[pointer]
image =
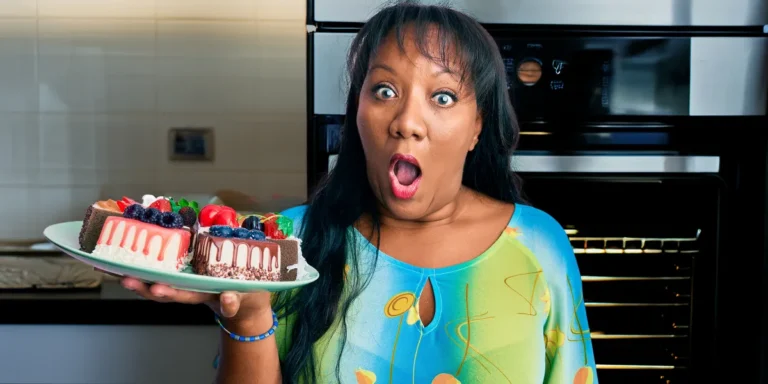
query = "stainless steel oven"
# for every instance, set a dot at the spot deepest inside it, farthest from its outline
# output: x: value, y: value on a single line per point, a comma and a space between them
x: 644, y: 133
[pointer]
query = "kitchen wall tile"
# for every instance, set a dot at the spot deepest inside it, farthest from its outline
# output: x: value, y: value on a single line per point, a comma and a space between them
x: 93, y: 84
x: 118, y: 9
x: 205, y: 9
x: 127, y: 143
x: 242, y: 143
x: 211, y: 94
x: 19, y: 148
x: 67, y: 141
x: 18, y: 37
x: 94, y: 37
x: 18, y: 8
x: 16, y: 203
x: 18, y: 62
x: 281, y: 10
x: 280, y: 39
x: 59, y: 204
x: 206, y: 38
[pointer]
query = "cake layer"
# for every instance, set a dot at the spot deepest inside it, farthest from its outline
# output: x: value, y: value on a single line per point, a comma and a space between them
x: 236, y: 258
x: 135, y: 242
x: 290, y: 251
x: 93, y: 222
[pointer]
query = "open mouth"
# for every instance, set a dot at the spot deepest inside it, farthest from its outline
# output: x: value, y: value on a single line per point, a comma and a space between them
x: 404, y: 175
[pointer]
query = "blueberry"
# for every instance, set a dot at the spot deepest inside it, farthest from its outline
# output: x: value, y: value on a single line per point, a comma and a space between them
x: 252, y: 222
x: 171, y: 220
x: 188, y: 216
x: 220, y: 231
x: 151, y: 216
x: 240, y: 233
x: 133, y: 211
x: 255, y: 234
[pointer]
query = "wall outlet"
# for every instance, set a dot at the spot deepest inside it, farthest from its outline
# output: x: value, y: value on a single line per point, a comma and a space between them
x: 190, y: 144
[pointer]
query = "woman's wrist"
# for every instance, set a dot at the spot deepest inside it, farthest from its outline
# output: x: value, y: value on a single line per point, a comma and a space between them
x: 252, y: 324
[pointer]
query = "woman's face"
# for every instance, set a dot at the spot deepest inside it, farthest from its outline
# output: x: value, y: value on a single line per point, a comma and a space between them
x: 417, y: 122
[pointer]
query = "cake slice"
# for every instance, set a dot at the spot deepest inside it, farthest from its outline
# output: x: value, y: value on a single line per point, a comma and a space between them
x: 220, y: 255
x: 95, y: 216
x: 145, y: 237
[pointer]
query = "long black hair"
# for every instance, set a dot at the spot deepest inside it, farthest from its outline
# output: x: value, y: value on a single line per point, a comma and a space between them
x: 345, y: 195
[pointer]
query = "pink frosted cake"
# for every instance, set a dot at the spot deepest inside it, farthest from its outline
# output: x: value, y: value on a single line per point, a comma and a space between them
x: 145, y: 237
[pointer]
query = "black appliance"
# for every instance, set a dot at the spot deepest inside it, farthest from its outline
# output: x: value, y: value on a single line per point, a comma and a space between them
x: 644, y: 133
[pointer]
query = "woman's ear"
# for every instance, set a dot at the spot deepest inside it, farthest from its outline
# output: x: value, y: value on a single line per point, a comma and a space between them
x: 476, y: 132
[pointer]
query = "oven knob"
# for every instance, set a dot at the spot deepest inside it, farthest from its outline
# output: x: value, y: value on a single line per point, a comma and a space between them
x: 529, y: 71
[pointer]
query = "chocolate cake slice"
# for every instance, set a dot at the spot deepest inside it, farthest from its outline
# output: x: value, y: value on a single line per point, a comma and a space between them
x: 237, y: 258
x: 95, y: 216
x: 290, y: 249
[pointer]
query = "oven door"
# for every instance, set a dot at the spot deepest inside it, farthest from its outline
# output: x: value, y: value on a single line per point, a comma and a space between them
x: 647, y: 253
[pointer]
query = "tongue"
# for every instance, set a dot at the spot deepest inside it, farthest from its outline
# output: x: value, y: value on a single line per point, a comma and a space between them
x: 406, y: 172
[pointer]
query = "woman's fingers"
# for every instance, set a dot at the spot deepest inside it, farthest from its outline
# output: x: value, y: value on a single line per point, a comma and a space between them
x: 165, y: 294
x: 230, y: 303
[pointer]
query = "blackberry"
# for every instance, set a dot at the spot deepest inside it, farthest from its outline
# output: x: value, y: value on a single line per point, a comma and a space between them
x: 134, y: 211
x: 255, y: 234
x: 252, y: 222
x: 171, y: 220
x: 240, y: 233
x: 188, y: 216
x: 151, y: 216
x: 220, y: 231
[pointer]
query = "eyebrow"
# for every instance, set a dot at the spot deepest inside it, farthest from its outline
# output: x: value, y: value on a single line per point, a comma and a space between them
x: 442, y: 70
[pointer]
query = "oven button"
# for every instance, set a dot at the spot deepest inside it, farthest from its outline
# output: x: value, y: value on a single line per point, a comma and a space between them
x: 529, y: 71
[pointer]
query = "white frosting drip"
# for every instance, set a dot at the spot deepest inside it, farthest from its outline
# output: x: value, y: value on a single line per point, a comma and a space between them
x: 166, y: 261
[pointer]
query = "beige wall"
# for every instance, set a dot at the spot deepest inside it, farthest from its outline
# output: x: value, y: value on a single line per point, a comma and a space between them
x: 89, y: 89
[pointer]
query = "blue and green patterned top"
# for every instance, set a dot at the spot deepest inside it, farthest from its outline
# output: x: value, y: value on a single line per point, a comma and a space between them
x: 514, y: 314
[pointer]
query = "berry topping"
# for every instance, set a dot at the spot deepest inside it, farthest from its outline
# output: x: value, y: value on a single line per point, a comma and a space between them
x: 210, y: 211
x: 189, y: 216
x: 220, y: 231
x: 226, y: 217
x: 241, y: 233
x: 252, y: 222
x: 151, y: 216
x: 171, y: 220
x: 133, y: 211
x: 277, y: 226
x: 162, y: 205
x: 124, y: 203
x: 255, y: 234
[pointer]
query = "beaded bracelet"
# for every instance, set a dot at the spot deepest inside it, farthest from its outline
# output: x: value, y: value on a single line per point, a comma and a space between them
x: 263, y: 336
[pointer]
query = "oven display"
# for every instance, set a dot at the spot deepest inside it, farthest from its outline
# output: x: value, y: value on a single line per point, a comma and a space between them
x: 597, y: 77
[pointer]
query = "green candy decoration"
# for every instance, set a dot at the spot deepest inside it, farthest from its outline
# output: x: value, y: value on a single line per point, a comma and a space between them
x: 178, y: 205
x: 285, y: 225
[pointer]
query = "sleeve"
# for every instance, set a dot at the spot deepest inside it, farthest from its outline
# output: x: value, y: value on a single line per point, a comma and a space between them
x: 569, y: 354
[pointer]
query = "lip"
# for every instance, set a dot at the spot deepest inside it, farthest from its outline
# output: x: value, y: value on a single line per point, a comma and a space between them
x: 400, y: 191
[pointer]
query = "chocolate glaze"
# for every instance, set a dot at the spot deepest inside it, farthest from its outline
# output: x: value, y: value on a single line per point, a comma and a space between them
x: 205, y: 243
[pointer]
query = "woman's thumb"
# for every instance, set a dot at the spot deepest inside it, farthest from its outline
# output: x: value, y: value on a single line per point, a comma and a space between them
x: 230, y: 303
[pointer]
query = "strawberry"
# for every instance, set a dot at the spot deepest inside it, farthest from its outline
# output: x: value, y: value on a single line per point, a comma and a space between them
x: 162, y: 205
x: 226, y: 217
x: 205, y: 218
x: 124, y: 203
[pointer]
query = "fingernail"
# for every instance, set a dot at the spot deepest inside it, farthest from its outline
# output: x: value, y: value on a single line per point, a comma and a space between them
x: 226, y: 299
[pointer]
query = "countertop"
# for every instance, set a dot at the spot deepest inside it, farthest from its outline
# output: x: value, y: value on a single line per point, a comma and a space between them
x: 110, y: 304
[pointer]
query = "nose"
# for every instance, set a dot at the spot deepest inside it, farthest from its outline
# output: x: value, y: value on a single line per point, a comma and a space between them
x: 409, y: 122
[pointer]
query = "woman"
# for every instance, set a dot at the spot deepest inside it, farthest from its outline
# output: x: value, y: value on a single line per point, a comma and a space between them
x: 431, y: 270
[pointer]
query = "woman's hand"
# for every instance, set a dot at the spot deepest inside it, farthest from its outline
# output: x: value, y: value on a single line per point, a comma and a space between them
x: 236, y: 307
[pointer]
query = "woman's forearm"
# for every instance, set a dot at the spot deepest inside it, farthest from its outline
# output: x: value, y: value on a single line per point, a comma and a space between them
x: 249, y: 362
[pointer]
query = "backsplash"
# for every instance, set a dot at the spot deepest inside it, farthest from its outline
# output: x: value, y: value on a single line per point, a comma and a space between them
x: 90, y: 88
